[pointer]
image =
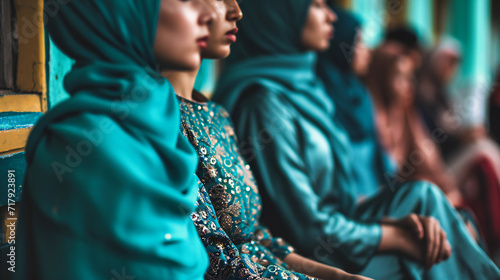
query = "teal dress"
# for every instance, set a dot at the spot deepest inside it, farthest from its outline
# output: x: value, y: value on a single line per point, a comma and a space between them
x: 110, y: 181
x: 354, y: 106
x: 302, y: 162
x: 229, y: 204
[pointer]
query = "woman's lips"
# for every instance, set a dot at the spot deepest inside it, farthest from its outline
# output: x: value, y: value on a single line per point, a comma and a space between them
x: 330, y: 34
x: 202, y: 42
x: 231, y: 34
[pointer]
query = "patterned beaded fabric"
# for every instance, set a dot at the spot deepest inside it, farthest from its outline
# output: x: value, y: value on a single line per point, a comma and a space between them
x: 229, y: 204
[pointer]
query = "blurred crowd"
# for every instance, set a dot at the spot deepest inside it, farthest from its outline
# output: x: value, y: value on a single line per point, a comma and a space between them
x: 417, y: 121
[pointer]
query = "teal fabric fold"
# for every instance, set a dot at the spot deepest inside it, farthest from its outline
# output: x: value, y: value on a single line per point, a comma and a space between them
x: 292, y: 78
x: 110, y: 179
x: 277, y: 33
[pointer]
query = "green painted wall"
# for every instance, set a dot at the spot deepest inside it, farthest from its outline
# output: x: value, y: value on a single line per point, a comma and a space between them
x: 420, y: 17
x: 373, y: 13
x: 58, y: 65
x: 469, y: 22
x: 495, y: 37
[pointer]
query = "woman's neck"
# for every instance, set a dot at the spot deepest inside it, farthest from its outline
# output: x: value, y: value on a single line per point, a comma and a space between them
x: 182, y: 82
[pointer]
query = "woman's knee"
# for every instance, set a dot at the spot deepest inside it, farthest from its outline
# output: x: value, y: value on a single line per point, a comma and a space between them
x: 423, y: 190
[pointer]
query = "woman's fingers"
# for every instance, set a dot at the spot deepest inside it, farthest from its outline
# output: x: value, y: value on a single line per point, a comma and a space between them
x: 432, y: 240
x: 429, y: 240
x: 435, y: 242
x: 443, y: 248
x: 437, y: 246
x: 448, y: 250
x: 415, y: 225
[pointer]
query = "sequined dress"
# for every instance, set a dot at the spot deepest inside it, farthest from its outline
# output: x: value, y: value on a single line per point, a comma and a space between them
x: 229, y: 204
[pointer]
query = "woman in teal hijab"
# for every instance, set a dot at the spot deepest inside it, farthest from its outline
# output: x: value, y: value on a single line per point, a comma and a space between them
x: 229, y: 204
x: 302, y: 163
x: 110, y: 180
x: 339, y: 69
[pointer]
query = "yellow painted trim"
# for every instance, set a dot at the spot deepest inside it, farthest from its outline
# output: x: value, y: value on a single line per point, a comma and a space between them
x: 20, y: 103
x: 397, y: 19
x: 31, y: 76
x: 346, y: 4
x: 13, y: 139
x: 12, y: 152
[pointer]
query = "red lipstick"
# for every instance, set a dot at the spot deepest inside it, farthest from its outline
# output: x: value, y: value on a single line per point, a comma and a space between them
x: 202, y: 42
x: 231, y: 34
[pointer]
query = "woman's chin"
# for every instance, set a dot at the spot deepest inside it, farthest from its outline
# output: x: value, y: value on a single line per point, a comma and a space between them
x: 219, y: 53
x: 190, y: 64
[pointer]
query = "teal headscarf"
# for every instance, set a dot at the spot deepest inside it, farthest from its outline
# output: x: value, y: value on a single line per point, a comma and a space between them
x: 110, y: 181
x: 354, y: 106
x: 280, y: 65
x: 283, y: 17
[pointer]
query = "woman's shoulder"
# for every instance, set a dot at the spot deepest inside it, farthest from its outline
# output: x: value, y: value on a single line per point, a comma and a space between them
x: 265, y: 102
x: 79, y: 139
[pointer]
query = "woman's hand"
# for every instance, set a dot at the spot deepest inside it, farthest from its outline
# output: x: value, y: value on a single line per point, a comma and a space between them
x: 437, y: 246
x: 419, y: 237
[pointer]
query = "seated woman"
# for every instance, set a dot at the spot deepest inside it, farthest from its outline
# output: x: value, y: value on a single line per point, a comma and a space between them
x: 109, y: 184
x: 402, y: 132
x: 302, y: 164
x: 229, y: 204
x: 470, y: 154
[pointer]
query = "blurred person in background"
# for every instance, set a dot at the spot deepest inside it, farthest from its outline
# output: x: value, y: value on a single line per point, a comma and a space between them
x: 433, y: 96
x: 339, y: 68
x: 471, y: 156
x: 391, y: 82
x: 494, y: 109
x: 407, y: 39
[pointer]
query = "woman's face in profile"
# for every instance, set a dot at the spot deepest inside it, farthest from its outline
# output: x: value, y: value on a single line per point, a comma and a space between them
x: 182, y: 33
x: 362, y: 56
x: 318, y: 29
x: 402, y: 81
x: 223, y: 29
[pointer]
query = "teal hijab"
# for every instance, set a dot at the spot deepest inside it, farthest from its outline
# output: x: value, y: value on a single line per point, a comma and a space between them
x: 110, y: 181
x: 263, y: 21
x: 354, y: 106
x: 269, y: 54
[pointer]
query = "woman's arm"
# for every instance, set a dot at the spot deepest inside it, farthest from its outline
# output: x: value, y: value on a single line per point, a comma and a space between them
x: 305, y: 211
x: 319, y: 270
